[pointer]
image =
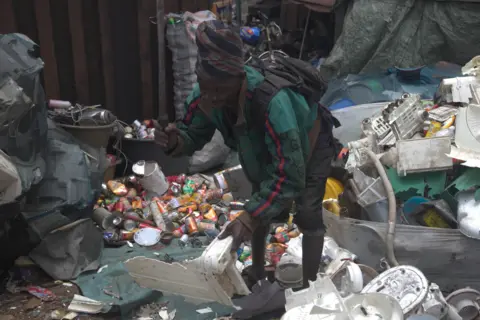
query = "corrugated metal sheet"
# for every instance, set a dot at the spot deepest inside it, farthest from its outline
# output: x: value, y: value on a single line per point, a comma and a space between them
x: 98, y: 51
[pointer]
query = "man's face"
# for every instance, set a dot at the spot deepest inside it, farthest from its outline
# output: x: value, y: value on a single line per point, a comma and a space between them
x: 219, y: 93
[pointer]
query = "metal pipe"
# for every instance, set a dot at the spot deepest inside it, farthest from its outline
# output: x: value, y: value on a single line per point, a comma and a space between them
x: 162, y: 84
x: 392, y: 208
x: 304, y: 34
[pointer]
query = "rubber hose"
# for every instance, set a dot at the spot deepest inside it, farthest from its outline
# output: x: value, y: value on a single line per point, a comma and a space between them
x: 392, y: 208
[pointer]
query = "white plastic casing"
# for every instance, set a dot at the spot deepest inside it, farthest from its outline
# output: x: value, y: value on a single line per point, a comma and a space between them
x: 211, y: 277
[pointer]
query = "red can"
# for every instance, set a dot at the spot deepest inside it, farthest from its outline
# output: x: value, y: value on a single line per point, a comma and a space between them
x: 119, y: 206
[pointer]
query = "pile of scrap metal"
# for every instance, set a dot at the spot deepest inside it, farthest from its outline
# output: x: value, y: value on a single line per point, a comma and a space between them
x: 347, y: 290
x: 414, y: 181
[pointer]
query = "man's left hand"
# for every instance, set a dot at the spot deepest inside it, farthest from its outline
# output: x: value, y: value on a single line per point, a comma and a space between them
x: 241, y: 229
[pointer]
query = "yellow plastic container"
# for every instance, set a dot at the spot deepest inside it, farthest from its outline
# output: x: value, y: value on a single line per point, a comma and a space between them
x: 333, y: 189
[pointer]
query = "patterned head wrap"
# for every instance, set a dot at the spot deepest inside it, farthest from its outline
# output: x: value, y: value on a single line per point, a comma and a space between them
x: 220, y: 50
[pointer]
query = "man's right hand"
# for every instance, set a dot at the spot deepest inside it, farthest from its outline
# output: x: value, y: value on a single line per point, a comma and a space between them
x: 166, y: 137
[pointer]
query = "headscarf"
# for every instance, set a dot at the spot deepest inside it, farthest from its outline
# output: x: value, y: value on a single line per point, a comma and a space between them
x: 220, y: 51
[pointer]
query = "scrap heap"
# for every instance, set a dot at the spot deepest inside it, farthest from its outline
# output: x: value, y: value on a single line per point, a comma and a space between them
x: 431, y: 151
x: 188, y: 207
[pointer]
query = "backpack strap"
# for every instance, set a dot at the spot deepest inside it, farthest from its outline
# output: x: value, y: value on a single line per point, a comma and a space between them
x: 263, y: 95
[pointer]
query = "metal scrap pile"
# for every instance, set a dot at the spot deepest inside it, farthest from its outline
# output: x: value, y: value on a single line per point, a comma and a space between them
x: 354, y: 291
x: 430, y: 151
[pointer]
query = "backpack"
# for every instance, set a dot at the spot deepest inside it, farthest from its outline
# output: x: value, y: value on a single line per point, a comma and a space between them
x: 292, y: 73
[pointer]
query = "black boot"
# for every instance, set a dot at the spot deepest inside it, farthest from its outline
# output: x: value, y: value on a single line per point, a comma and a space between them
x: 312, y: 247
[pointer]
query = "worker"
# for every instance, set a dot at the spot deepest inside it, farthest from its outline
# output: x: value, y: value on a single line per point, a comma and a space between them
x: 274, y: 160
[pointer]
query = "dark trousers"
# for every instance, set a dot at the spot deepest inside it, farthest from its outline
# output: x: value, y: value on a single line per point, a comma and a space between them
x: 309, y: 213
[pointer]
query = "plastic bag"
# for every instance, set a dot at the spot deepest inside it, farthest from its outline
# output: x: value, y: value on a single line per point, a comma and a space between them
x: 181, y: 41
x: 67, y: 191
x: 213, y: 154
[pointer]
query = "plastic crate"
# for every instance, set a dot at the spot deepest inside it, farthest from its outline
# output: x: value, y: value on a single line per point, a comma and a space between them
x: 372, y: 194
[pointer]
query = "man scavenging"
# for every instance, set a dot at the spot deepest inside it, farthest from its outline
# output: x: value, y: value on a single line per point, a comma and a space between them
x: 287, y: 160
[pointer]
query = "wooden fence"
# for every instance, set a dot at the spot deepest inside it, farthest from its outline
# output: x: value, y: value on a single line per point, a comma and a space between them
x: 99, y: 51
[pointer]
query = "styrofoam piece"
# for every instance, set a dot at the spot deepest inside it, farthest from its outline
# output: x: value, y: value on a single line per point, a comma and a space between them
x: 406, y: 284
x: 322, y: 301
x: 420, y: 155
x: 211, y: 277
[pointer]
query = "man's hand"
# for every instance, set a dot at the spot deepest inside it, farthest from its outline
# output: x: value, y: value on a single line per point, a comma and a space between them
x: 241, y: 229
x: 166, y: 137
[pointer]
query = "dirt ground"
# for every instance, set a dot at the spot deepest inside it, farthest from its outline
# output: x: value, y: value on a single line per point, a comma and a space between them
x: 23, y: 305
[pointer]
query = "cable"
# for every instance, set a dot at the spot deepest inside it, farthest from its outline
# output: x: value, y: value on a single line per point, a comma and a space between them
x: 392, y: 208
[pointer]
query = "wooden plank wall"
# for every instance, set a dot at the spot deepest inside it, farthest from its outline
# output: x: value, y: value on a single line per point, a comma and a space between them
x: 98, y: 51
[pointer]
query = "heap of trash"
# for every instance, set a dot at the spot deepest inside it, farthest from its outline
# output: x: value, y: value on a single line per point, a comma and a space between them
x: 415, y: 166
x: 428, y: 149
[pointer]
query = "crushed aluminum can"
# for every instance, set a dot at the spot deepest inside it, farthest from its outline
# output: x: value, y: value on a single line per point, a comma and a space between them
x: 146, y: 214
x: 137, y: 124
x: 214, y: 195
x: 220, y: 210
x: 110, y: 235
x: 237, y: 205
x: 127, y: 235
x: 181, y: 178
x: 129, y: 225
x: 142, y: 134
x: 204, y: 226
x: 184, y: 238
x: 132, y: 179
x: 176, y: 189
x: 105, y: 189
x: 174, y: 203
x: 173, y: 216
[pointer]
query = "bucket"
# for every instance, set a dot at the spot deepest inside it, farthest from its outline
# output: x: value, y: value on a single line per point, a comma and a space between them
x: 151, y: 176
x: 95, y: 136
